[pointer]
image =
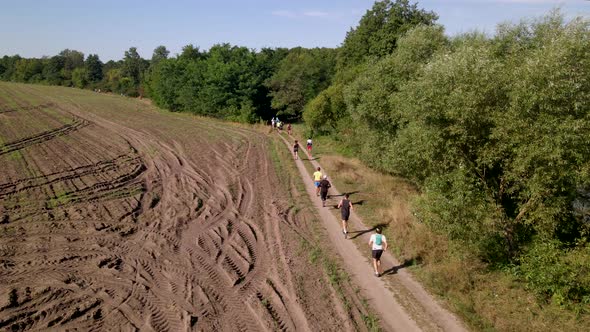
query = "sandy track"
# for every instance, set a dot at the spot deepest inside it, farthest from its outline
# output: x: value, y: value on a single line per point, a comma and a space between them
x: 111, y: 224
x: 401, y: 302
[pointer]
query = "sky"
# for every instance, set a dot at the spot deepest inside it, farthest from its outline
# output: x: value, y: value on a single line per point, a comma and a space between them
x: 36, y: 28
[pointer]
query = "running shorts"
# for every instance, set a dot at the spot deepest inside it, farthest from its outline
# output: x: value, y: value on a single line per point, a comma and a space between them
x: 377, y: 254
x: 317, y: 183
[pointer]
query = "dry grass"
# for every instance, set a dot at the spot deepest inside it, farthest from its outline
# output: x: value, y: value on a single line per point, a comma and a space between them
x: 386, y: 200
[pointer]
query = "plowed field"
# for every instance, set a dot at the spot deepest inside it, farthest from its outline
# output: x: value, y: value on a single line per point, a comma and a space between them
x: 117, y: 216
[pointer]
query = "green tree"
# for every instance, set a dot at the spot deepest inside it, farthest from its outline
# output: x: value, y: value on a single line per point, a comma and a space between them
x: 379, y: 29
x: 160, y: 53
x: 371, y: 100
x: 229, y: 83
x: 267, y: 63
x: 133, y: 68
x: 132, y: 65
x: 165, y: 82
x: 80, y: 78
x: 301, y: 75
x: 541, y: 144
x: 28, y: 70
x: 323, y: 113
x: 72, y: 59
x: 9, y: 63
x: 93, y: 67
x: 112, y: 80
x: 191, y: 53
x: 53, y: 69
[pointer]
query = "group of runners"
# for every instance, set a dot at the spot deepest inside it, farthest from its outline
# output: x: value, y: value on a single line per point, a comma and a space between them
x: 276, y: 123
x: 296, y: 146
x: 377, y: 241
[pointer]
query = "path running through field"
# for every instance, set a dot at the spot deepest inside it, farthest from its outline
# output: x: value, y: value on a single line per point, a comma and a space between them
x: 421, y: 311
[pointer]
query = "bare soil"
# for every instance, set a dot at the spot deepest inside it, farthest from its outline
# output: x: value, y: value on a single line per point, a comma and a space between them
x: 117, y: 216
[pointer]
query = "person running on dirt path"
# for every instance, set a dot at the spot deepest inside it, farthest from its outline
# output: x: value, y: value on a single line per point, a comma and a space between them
x: 317, y: 177
x: 309, y: 144
x: 296, y: 150
x: 324, y: 186
x: 345, y: 206
x: 378, y: 243
x: 272, y: 122
x: 289, y: 129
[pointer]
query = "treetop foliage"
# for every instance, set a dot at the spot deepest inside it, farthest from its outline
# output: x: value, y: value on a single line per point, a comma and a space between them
x: 380, y: 28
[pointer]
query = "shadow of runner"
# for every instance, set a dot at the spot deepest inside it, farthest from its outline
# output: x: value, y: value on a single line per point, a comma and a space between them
x: 394, y: 269
x: 359, y: 233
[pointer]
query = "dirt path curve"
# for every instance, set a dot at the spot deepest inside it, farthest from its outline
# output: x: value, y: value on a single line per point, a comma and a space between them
x: 422, y: 312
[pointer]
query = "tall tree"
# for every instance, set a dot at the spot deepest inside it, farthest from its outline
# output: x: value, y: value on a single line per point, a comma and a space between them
x: 300, y: 76
x: 191, y: 52
x: 72, y: 59
x: 379, y: 29
x: 160, y: 53
x: 133, y: 65
x: 52, y: 71
x: 93, y: 67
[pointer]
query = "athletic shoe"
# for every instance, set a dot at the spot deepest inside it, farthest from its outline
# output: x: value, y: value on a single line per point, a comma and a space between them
x: 377, y: 275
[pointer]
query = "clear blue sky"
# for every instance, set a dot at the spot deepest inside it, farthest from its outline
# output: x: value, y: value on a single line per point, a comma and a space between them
x: 33, y: 28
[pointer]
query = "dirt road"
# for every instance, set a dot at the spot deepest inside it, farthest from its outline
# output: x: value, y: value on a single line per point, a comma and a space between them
x: 420, y: 310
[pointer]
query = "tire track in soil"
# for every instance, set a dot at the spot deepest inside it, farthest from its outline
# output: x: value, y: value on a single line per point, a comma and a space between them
x: 43, y: 136
x: 140, y: 231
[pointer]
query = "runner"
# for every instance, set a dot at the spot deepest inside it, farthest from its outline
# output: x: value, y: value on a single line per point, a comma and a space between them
x: 317, y: 177
x: 324, y: 186
x: 289, y: 129
x: 309, y: 144
x: 345, y: 207
x: 378, y: 243
x: 272, y: 122
x: 296, y: 150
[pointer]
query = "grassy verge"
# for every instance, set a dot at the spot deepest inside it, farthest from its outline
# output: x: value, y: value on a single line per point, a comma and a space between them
x: 486, y: 300
x: 313, y: 245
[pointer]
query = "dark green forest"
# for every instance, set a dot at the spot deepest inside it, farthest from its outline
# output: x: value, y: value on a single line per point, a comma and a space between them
x: 493, y: 130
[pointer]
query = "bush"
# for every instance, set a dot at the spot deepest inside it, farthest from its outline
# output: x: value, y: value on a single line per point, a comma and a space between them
x: 556, y: 274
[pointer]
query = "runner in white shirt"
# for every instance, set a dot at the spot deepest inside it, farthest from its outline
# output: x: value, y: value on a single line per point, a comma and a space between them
x: 378, y: 243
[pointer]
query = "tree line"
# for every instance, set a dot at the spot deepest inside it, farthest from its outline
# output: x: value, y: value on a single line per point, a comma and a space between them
x: 71, y: 68
x: 226, y: 81
x: 493, y: 129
